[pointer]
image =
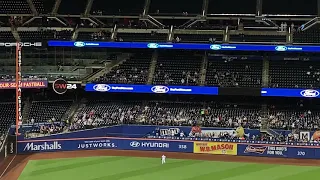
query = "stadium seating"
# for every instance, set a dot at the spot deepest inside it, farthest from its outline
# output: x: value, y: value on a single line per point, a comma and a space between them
x: 117, y: 7
x: 309, y: 36
x: 106, y: 113
x: 238, y: 73
x: 294, y: 74
x: 199, y: 38
x: 294, y: 119
x: 178, y: 68
x: 257, y: 38
x: 7, y: 36
x: 45, y: 35
x: 177, y: 7
x: 44, y: 111
x: 14, y: 7
x: 7, y: 116
x: 97, y: 36
x: 43, y: 6
x: 77, y: 8
x: 133, y: 71
x: 167, y: 113
x: 151, y: 37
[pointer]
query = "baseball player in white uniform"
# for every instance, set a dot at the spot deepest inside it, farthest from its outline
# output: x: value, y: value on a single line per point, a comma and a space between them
x: 163, y: 159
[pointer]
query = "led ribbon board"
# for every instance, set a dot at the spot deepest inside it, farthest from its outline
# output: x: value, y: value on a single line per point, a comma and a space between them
x: 190, y: 46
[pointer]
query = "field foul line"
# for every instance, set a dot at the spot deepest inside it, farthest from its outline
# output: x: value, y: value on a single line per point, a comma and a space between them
x: 5, y: 170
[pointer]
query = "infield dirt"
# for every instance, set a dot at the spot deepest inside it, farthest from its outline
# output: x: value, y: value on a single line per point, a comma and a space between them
x: 12, y: 167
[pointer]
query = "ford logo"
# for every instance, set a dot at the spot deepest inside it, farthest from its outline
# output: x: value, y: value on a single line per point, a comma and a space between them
x: 215, y: 47
x: 310, y: 93
x: 153, y: 45
x: 79, y: 44
x: 281, y: 48
x: 160, y: 89
x: 134, y: 144
x: 101, y: 87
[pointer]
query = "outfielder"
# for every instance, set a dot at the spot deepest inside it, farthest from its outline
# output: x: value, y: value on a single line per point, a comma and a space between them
x: 163, y: 159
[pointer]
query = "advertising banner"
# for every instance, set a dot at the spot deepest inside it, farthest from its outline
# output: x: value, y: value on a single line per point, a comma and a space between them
x: 215, y: 148
x: 263, y: 150
x: 61, y: 86
x: 194, y: 46
x: 284, y: 92
x: 23, y: 44
x: 155, y: 145
x: 25, y: 84
x: 103, y: 143
x: 157, y: 89
x: 278, y: 151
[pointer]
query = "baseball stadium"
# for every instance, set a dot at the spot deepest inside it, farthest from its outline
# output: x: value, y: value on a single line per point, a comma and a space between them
x: 159, y: 89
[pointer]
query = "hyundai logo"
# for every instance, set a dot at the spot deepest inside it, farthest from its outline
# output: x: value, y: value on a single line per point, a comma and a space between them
x: 101, y: 87
x: 134, y: 144
x: 153, y: 45
x: 79, y: 44
x: 215, y: 47
x: 281, y: 48
x: 310, y: 93
x: 160, y: 89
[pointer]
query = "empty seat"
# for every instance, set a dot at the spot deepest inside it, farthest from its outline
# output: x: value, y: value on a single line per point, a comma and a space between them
x: 45, y: 111
x: 234, y: 73
x: 148, y: 37
x: 14, y: 7
x: 294, y: 74
x: 178, y: 68
x: 135, y: 70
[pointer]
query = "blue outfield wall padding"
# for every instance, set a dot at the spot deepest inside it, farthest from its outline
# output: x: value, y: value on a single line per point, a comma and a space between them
x: 104, y: 143
x: 279, y: 151
x: 243, y: 149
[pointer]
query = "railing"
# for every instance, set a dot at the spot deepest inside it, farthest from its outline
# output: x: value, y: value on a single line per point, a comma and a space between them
x: 236, y: 141
x: 4, y: 142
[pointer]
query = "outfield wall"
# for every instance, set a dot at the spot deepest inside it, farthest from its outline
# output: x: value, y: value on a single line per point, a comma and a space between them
x: 200, y: 147
x: 31, y: 146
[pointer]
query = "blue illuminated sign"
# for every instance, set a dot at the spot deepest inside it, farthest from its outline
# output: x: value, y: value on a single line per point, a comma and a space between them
x: 194, y: 46
x: 157, y: 89
x: 284, y: 92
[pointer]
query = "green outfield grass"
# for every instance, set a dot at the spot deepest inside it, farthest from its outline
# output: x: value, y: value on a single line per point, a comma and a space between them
x: 134, y: 168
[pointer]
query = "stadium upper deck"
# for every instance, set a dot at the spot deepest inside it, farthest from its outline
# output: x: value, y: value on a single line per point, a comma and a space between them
x: 204, y: 21
x: 257, y: 20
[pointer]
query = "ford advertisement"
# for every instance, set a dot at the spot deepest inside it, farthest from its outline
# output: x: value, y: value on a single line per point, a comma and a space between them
x: 284, y: 92
x: 198, y: 90
x: 193, y: 46
x: 156, y: 89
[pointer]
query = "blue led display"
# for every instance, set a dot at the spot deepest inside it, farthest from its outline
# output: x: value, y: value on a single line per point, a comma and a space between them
x: 194, y: 46
x: 284, y: 92
x: 156, y: 89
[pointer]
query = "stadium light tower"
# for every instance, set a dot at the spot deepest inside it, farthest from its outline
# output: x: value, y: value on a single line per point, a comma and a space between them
x: 18, y: 87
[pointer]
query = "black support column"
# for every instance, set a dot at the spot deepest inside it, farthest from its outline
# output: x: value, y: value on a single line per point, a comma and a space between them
x: 146, y: 7
x: 205, y: 5
x: 318, y: 8
x: 259, y: 7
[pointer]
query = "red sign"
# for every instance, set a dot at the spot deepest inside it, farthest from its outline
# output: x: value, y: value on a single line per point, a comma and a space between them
x: 24, y: 84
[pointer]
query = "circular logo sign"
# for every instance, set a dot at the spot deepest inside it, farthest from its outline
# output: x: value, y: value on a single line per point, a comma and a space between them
x: 134, y: 144
x: 60, y: 86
